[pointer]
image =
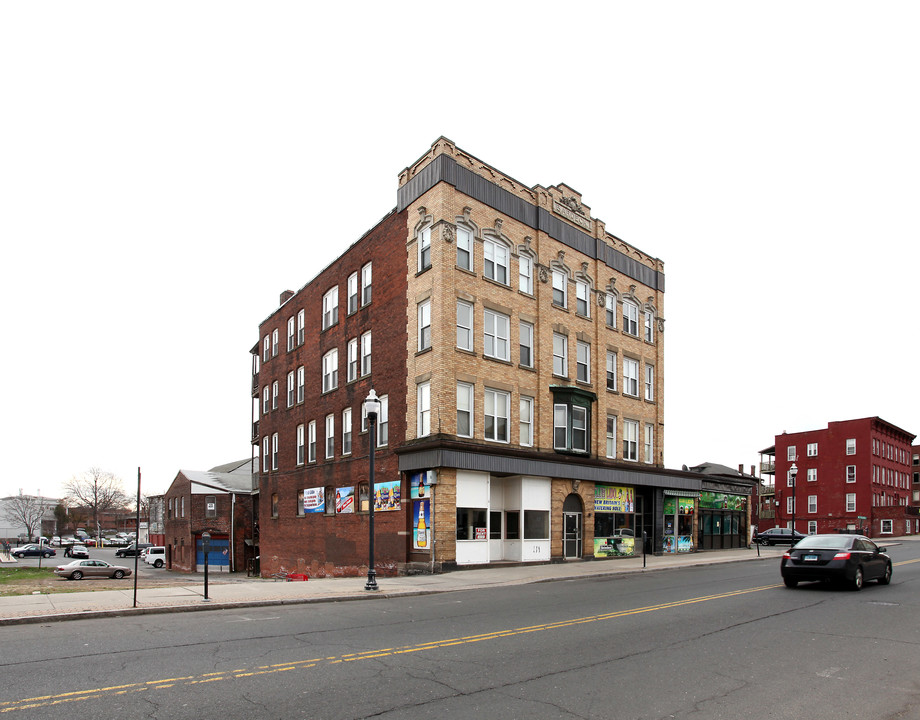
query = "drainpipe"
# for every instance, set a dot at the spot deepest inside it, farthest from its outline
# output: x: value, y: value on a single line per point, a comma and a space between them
x: 232, y: 533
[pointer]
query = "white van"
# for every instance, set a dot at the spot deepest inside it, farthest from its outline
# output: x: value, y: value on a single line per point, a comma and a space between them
x: 155, y: 556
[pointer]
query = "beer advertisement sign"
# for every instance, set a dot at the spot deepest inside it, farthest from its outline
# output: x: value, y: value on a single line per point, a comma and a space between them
x: 314, y: 500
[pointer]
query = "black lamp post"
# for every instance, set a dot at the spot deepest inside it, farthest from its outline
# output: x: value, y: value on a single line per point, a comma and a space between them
x: 372, y: 407
x: 793, y: 471
x: 205, y: 548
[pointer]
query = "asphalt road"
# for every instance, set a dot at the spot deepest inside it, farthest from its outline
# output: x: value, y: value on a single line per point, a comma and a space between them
x: 724, y: 641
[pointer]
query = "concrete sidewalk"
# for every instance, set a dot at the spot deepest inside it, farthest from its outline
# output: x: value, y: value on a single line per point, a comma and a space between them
x: 239, y: 591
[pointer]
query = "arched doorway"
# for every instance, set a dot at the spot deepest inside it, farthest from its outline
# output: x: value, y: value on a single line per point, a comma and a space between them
x: 572, y: 527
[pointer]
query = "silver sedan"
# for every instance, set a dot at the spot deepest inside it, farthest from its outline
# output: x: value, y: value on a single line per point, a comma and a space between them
x: 79, y: 569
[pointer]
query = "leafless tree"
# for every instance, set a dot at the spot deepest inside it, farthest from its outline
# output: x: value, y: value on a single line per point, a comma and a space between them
x: 26, y: 510
x: 97, y: 491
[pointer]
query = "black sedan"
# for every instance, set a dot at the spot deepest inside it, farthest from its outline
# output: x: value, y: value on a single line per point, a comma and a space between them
x: 45, y: 551
x: 851, y: 559
x: 778, y: 536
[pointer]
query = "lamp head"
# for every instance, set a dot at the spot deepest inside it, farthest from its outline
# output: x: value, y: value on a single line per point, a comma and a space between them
x: 372, y: 404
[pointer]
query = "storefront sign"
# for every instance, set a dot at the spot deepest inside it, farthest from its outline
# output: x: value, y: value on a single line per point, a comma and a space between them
x: 314, y: 500
x: 344, y: 500
x: 722, y: 501
x: 386, y: 496
x: 420, y: 484
x: 421, y: 524
x: 609, y: 498
x: 614, y: 546
x: 481, y: 533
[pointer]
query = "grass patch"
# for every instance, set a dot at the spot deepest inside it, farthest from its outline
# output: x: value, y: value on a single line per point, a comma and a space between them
x: 11, y: 576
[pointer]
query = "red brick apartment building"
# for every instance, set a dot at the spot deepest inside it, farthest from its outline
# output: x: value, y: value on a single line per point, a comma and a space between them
x: 854, y: 475
x: 518, y: 350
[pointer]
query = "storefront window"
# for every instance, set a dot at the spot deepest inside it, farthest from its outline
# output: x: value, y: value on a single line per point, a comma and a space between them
x: 536, y: 525
x: 678, y: 524
x: 471, y: 524
x: 614, y: 521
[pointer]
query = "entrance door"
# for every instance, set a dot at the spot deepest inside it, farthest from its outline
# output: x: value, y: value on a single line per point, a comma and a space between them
x: 571, y: 538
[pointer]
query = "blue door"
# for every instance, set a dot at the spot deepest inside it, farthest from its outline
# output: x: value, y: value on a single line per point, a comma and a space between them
x: 218, y: 556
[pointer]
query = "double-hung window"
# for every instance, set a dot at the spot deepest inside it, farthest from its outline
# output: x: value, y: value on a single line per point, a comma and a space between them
x: 582, y: 362
x: 423, y: 409
x: 496, y: 335
x: 266, y: 349
x: 275, y: 395
x: 365, y: 354
x: 811, y: 475
x: 610, y: 310
x: 851, y: 446
x: 560, y: 355
x: 526, y: 343
x: 582, y: 297
x: 292, y: 333
x: 275, y: 342
x: 495, y: 261
x: 464, y: 248
x: 611, y: 370
x: 274, y: 451
x: 526, y: 421
x: 649, y: 382
x: 330, y: 436
x: 383, y: 421
x: 649, y: 444
x: 525, y: 274
x: 311, y: 441
x: 266, y: 400
x: 497, y: 415
x: 560, y: 288
x: 464, y: 325
x: 346, y: 431
x: 301, y: 326
x: 424, y: 249
x: 331, y: 308
x: 851, y: 502
x: 811, y: 449
x: 331, y: 370
x: 851, y: 473
x: 464, y: 409
x: 366, y: 285
x: 291, y: 390
x: 424, y: 325
x: 352, y: 367
x: 265, y: 454
x: 630, y: 318
x: 301, y: 445
x: 649, y: 326
x: 611, y: 436
x: 631, y: 377
x: 630, y: 440
x: 812, y: 503
x: 352, y: 288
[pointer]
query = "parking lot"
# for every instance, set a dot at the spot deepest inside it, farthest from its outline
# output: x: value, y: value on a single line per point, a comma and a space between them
x: 106, y: 553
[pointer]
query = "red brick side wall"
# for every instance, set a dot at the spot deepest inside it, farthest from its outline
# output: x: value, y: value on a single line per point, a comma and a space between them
x: 323, y: 544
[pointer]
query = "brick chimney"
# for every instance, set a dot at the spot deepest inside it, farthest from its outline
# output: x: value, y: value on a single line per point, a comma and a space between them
x: 285, y: 296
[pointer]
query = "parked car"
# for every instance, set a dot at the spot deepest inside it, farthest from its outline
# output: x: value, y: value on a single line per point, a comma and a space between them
x: 76, y: 551
x: 33, y: 550
x: 56, y: 540
x: 852, y: 559
x: 778, y: 536
x: 79, y: 569
x: 132, y: 550
x: 156, y: 556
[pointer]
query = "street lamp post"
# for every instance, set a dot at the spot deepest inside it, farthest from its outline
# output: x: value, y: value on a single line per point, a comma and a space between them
x: 793, y: 471
x: 372, y: 408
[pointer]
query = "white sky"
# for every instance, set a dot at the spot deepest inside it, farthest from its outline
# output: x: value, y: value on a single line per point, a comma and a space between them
x: 167, y: 169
